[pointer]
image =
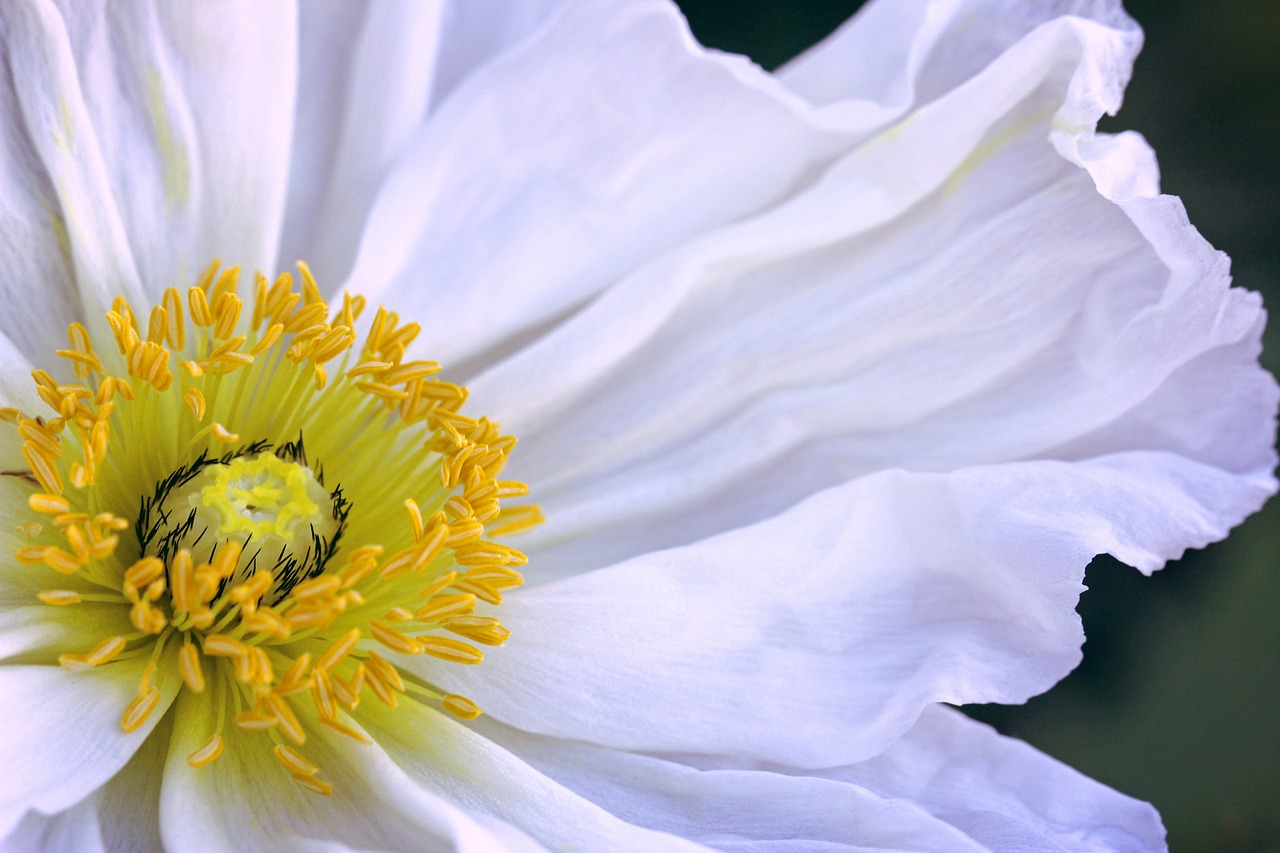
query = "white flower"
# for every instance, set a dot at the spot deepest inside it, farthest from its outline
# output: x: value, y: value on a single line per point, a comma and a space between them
x: 828, y: 383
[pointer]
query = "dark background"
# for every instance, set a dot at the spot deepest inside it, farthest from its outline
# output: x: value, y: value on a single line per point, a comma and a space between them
x: 1176, y: 701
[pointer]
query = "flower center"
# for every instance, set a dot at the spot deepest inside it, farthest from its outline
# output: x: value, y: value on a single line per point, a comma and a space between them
x: 244, y: 577
x: 273, y: 509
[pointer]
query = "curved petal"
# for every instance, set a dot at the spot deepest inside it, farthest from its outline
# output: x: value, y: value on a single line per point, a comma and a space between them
x: 370, y: 75
x: 63, y: 195
x: 192, y: 111
x: 913, y: 51
x: 734, y: 809
x: 441, y: 755
x: 819, y: 635
x: 496, y: 221
x: 374, y: 805
x: 948, y: 784
x: 1002, y: 792
x: 952, y: 293
x: 54, y: 721
x: 77, y: 828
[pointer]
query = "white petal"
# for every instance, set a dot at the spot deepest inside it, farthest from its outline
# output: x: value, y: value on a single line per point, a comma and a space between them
x: 76, y: 828
x: 130, y: 802
x: 1002, y: 792
x: 603, y: 138
x: 370, y: 76
x: 191, y: 112
x: 948, y: 784
x: 60, y: 735
x: 61, y: 180
x: 914, y: 50
x: 246, y: 801
x: 734, y: 809
x: 952, y: 293
x: 445, y: 757
x: 819, y: 635
x: 365, y: 74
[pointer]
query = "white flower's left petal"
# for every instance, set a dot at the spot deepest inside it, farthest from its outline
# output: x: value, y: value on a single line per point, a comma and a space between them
x: 245, y: 800
x: 191, y: 110
x: 819, y: 635
x: 55, y: 759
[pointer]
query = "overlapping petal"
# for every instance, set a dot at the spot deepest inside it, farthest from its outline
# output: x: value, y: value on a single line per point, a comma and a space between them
x: 948, y: 784
x: 62, y: 734
x: 819, y: 636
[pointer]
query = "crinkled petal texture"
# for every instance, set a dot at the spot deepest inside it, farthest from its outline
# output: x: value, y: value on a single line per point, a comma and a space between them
x: 830, y: 384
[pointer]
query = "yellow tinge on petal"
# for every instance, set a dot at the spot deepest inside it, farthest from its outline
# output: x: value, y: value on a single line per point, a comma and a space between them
x: 281, y: 507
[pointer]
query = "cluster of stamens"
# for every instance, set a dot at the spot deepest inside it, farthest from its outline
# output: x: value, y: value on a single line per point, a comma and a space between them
x: 278, y: 640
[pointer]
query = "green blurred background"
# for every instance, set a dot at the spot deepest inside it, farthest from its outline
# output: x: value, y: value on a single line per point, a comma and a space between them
x: 1176, y: 701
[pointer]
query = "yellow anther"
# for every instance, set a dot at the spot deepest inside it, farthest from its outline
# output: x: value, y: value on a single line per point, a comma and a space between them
x: 224, y: 563
x: 268, y: 340
x: 227, y: 315
x: 105, y: 651
x: 394, y: 640
x: 194, y: 398
x: 31, y: 555
x: 139, y: 709
x: 175, y: 331
x: 415, y: 519
x: 49, y: 504
x: 294, y: 762
x: 454, y: 651
x: 59, y: 597
x: 482, y: 629
x: 322, y: 694
x: 74, y: 663
x: 208, y: 753
x: 443, y: 606
x: 385, y: 670
x: 60, y: 561
x: 221, y: 645
x: 460, y: 706
x: 380, y: 689
x: 279, y: 708
x: 224, y: 435
x: 253, y: 721
x: 314, y: 785
x: 338, y: 651
x: 254, y: 588
x: 189, y: 666
x: 158, y: 325
x: 316, y: 588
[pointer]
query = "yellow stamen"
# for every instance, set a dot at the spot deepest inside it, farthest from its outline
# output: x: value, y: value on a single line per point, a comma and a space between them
x: 461, y: 706
x: 208, y: 753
